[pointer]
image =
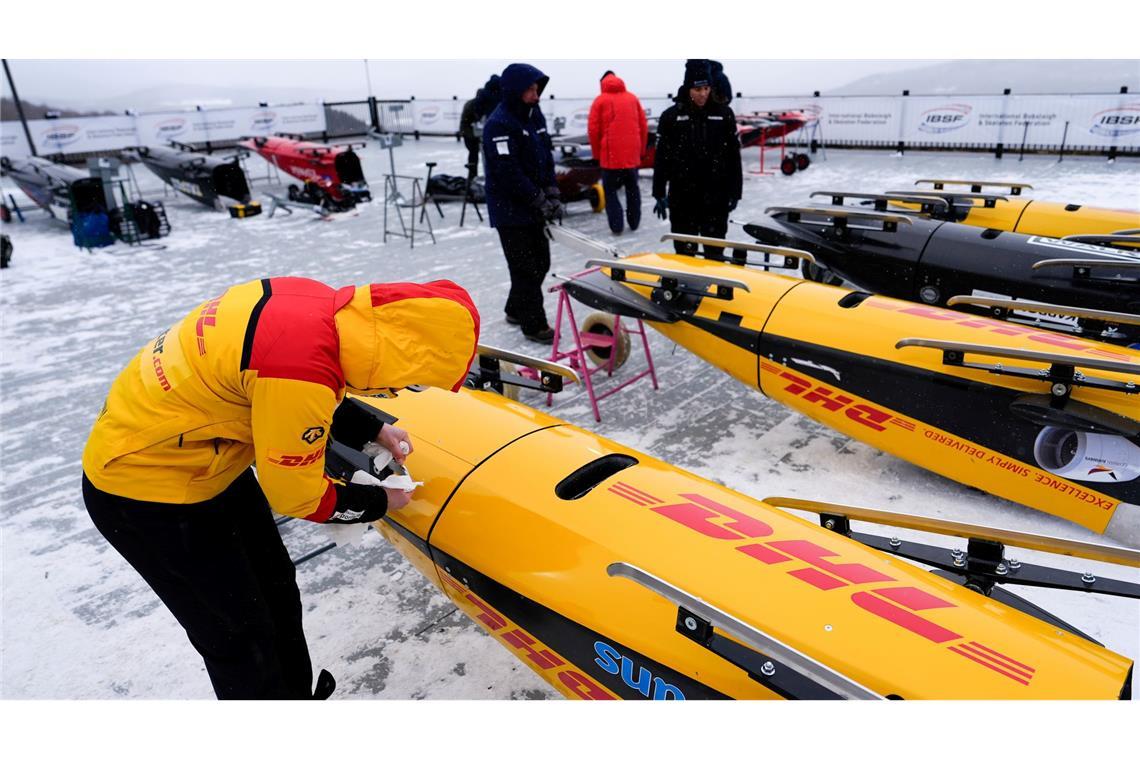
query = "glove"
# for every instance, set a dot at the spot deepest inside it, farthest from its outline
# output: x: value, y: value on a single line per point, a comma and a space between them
x: 550, y: 208
x: 732, y: 204
x: 361, y: 500
x: 660, y: 207
x: 552, y: 192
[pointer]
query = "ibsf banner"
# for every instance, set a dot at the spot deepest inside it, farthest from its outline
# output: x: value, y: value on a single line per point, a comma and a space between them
x: 99, y: 133
x: 436, y: 115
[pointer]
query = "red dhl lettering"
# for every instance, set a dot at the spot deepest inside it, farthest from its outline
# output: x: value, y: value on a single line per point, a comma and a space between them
x: 205, y: 319
x: 516, y: 638
x: 833, y: 401
x: 296, y: 460
x: 897, y: 604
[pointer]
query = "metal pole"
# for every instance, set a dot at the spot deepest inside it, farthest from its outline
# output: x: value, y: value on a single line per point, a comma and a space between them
x: 19, y: 108
x: 1024, y: 134
x: 1064, y: 137
x: 368, y: 77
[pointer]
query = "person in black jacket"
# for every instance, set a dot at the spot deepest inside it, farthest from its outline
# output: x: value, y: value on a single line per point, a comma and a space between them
x: 522, y: 195
x: 697, y: 176
x: 475, y: 111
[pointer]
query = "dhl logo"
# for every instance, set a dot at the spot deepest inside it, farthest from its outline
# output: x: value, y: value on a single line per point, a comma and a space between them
x: 206, y: 319
x: 812, y: 564
x: 296, y: 460
x: 1053, y: 340
x: 821, y: 395
x: 543, y: 659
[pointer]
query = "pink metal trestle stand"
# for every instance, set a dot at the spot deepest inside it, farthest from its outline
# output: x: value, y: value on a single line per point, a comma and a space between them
x: 763, y: 145
x: 584, y: 341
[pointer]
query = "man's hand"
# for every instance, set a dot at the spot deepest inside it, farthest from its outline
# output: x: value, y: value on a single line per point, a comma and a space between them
x: 397, y: 498
x: 552, y: 192
x: 660, y: 208
x: 396, y: 440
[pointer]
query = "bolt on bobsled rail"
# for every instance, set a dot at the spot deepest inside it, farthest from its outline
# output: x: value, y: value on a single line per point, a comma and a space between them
x: 813, y: 670
x: 739, y: 249
x: 1015, y: 188
x: 1011, y: 304
x: 1036, y: 542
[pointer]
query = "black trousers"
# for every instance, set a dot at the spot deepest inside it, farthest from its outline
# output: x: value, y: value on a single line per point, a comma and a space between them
x: 528, y: 259
x: 612, y: 181
x: 695, y: 218
x: 220, y: 567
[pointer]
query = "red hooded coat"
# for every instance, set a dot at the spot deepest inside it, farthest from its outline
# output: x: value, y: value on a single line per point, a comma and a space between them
x: 617, y: 127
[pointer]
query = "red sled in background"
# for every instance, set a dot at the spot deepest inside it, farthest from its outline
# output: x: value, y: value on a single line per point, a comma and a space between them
x: 763, y: 128
x: 331, y: 174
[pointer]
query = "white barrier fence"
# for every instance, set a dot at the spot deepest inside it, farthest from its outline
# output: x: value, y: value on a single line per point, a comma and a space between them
x: 1079, y: 122
x: 99, y: 133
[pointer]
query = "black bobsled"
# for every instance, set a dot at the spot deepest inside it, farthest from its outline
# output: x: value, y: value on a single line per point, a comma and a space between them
x: 219, y: 183
x: 947, y: 264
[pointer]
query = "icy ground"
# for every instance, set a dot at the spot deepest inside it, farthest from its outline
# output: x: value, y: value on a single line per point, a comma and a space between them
x: 79, y: 623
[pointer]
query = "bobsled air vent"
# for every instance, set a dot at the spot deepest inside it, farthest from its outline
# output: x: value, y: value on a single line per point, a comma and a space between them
x: 1073, y: 207
x: 851, y: 300
x: 990, y: 234
x: 583, y: 480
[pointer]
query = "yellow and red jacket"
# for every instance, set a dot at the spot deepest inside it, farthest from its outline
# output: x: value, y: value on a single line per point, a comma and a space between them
x: 254, y: 377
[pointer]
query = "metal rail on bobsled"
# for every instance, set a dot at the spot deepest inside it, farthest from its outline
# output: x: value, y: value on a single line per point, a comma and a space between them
x: 905, y: 255
x: 614, y: 575
x: 1053, y: 424
x: 215, y: 182
x: 332, y: 176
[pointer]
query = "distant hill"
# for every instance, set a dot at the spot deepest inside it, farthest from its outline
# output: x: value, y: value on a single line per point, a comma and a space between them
x: 983, y: 77
x: 178, y: 97
x: 36, y: 111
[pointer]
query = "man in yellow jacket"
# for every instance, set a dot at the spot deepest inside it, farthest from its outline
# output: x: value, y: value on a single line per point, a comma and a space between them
x: 256, y: 377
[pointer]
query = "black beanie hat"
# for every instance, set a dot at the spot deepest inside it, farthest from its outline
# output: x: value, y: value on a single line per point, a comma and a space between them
x: 697, y: 73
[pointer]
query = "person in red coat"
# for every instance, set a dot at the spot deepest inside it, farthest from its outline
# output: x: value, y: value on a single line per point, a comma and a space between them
x: 618, y: 134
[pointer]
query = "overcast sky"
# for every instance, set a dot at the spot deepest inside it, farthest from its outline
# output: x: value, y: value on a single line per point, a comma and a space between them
x: 67, y: 82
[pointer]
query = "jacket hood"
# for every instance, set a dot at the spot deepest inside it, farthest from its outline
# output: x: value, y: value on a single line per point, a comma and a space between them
x: 393, y: 335
x: 517, y: 78
x: 612, y: 83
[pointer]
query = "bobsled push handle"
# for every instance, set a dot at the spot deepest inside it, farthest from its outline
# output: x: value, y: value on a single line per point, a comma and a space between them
x: 1011, y: 304
x: 487, y: 371
x: 1015, y: 188
x: 840, y: 216
x: 1087, y: 264
x: 1128, y: 240
x: 882, y: 199
x: 791, y: 253
x: 954, y: 351
x: 805, y: 666
x: 1082, y: 549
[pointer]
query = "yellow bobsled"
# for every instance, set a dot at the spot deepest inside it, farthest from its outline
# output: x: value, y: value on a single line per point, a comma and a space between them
x: 614, y: 575
x: 1047, y: 420
x: 1012, y: 212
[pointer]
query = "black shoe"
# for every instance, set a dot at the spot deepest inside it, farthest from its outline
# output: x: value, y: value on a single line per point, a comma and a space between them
x: 325, y: 685
x: 544, y: 336
x: 513, y: 320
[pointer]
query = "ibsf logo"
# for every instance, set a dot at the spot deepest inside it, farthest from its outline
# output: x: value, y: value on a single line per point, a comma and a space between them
x: 580, y: 118
x: 60, y: 134
x: 1117, y: 122
x: 168, y: 128
x: 945, y: 118
x: 429, y: 115
x: 262, y: 121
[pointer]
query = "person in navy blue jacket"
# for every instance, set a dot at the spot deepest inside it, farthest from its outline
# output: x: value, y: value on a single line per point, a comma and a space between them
x: 522, y: 196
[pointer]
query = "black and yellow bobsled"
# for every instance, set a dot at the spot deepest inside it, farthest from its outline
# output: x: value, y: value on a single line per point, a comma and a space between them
x: 615, y: 575
x: 1048, y: 420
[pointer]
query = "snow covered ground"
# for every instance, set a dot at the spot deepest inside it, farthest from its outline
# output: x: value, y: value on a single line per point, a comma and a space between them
x: 79, y: 623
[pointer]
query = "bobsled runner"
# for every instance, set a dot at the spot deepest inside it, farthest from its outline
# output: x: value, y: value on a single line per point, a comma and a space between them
x: 331, y: 173
x: 921, y: 259
x: 1047, y: 420
x: 219, y: 183
x: 614, y: 575
x: 86, y: 204
x: 1010, y: 211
